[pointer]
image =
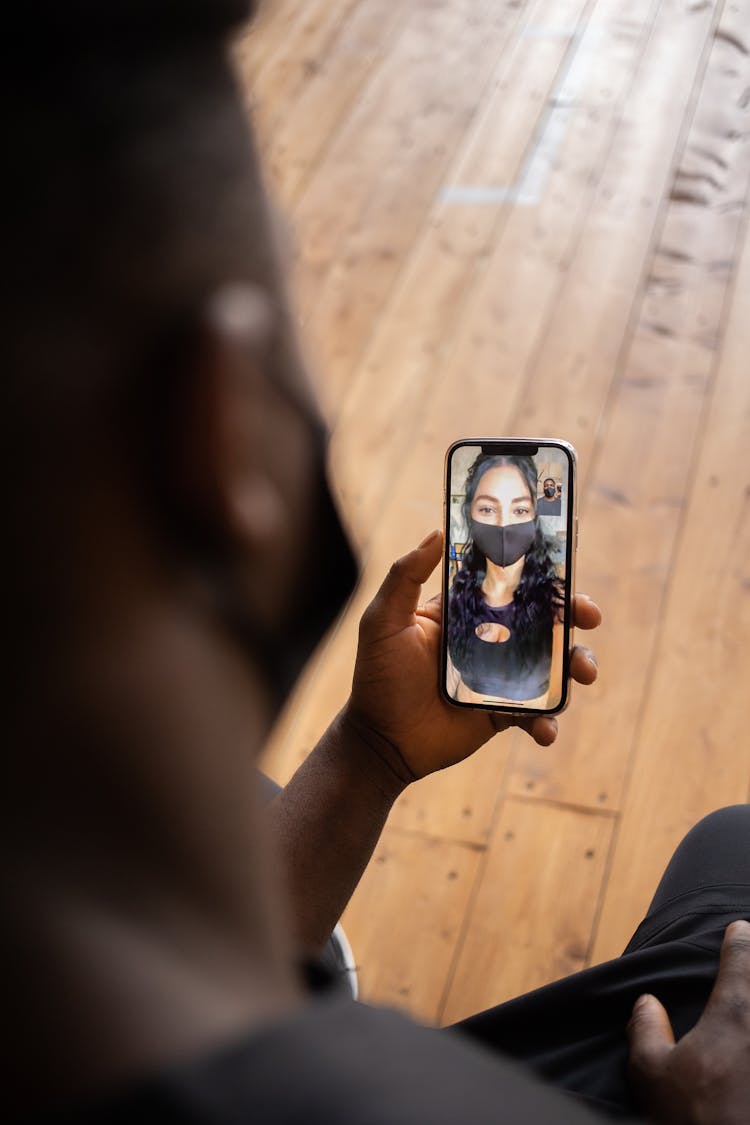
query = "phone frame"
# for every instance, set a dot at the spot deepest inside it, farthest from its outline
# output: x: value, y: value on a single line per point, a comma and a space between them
x: 516, y: 447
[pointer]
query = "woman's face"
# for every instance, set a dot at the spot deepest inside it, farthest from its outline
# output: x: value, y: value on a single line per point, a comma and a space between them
x: 502, y: 497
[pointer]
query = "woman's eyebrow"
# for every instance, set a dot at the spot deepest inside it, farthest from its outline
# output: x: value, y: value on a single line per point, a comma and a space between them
x: 518, y: 500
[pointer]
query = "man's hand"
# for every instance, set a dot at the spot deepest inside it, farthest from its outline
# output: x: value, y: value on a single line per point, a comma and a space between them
x: 396, y: 727
x: 705, y: 1078
x: 395, y: 703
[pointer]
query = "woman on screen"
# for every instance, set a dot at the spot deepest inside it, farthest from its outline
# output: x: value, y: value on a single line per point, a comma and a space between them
x: 504, y: 624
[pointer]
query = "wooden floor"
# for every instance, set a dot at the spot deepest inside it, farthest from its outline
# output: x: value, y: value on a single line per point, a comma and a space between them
x: 531, y: 217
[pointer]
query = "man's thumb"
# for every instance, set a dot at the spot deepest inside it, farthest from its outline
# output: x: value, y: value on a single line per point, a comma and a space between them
x: 398, y: 597
x: 650, y: 1036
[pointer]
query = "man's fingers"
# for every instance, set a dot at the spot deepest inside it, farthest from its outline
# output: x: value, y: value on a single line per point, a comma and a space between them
x: 650, y: 1036
x: 583, y: 666
x: 398, y: 597
x: 542, y: 728
x: 432, y: 608
x: 586, y: 613
x: 731, y: 990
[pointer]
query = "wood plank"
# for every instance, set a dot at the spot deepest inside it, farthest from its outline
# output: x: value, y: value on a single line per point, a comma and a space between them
x: 405, y: 917
x: 609, y: 262
x: 552, y: 307
x: 458, y: 803
x: 269, y: 28
x: 281, y: 52
x: 391, y: 154
x: 425, y: 293
x: 297, y: 139
x: 531, y: 920
x: 634, y: 507
x: 416, y: 501
x: 587, y: 304
x: 693, y: 753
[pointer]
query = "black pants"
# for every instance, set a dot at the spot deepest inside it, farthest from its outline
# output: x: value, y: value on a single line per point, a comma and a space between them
x: 572, y: 1032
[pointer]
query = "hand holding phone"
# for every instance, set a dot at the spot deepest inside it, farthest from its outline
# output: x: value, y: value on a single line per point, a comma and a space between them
x: 508, y: 574
x: 396, y: 706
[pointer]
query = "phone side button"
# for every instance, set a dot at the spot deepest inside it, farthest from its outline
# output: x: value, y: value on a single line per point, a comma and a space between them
x: 576, y: 533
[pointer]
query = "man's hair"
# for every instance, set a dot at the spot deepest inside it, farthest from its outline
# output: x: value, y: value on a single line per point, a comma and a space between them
x: 132, y: 190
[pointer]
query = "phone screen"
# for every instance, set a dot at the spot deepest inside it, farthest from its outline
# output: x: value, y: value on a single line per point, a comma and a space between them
x: 510, y: 529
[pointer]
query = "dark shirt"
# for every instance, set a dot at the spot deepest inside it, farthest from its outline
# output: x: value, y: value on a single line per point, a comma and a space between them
x: 545, y: 507
x: 337, y: 1062
x: 511, y: 669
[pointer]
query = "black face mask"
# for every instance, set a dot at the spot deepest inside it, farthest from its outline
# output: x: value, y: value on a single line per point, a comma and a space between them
x: 281, y: 651
x: 549, y: 491
x: 503, y: 545
x: 330, y: 579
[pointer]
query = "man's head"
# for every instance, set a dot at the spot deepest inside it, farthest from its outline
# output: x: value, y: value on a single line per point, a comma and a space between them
x: 550, y: 488
x: 172, y: 552
x: 156, y: 400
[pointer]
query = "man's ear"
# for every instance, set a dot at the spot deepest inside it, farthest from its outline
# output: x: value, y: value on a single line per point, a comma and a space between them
x: 220, y: 477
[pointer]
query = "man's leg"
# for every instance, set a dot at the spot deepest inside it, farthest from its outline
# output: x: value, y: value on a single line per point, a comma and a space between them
x: 708, y: 874
x: 573, y: 1031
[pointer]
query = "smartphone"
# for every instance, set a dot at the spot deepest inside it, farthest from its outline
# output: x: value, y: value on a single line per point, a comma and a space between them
x: 511, y: 532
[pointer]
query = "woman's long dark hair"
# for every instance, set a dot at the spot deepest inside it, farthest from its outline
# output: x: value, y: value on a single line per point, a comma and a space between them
x: 537, y: 599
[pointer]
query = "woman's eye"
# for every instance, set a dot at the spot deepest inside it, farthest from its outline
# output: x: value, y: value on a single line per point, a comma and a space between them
x: 486, y: 510
x: 523, y: 511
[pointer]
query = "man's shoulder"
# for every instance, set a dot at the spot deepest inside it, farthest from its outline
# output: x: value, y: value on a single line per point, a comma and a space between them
x: 339, y: 1061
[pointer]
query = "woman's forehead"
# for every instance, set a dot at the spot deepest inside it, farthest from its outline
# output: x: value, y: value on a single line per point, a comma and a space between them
x: 502, y: 477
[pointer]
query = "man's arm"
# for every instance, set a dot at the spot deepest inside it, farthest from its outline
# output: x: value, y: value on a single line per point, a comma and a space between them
x: 395, y: 728
x: 326, y: 823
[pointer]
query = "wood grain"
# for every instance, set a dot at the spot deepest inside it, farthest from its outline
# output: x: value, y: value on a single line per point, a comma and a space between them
x: 646, y: 445
x: 531, y: 920
x: 693, y: 753
x: 524, y: 216
x: 404, y: 950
